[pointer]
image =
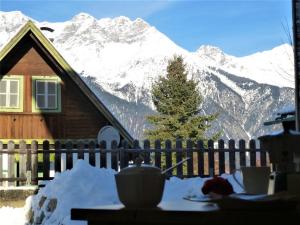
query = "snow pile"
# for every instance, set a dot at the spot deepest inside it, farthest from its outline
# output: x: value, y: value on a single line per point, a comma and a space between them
x: 83, y: 186
x: 87, y: 186
x: 12, y: 216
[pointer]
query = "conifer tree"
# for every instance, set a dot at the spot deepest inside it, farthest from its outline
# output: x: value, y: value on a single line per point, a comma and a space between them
x: 177, y: 101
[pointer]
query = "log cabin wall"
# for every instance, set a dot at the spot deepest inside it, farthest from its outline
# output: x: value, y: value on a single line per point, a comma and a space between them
x: 78, y: 119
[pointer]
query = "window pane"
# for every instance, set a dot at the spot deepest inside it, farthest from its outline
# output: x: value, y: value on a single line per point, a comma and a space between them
x: 14, y: 86
x: 2, y: 100
x: 40, y: 99
x: 51, y: 87
x: 3, y: 86
x: 52, y: 101
x: 40, y: 87
x: 13, y: 101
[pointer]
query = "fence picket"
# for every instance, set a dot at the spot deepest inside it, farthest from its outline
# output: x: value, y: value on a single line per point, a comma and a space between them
x: 92, y: 157
x: 263, y: 158
x: 147, y: 152
x: 136, y: 145
x: 189, y: 154
x: 168, y: 157
x: 242, y: 147
x: 252, y: 146
x: 69, y: 155
x: 80, y: 147
x: 28, y: 160
x: 211, y: 158
x: 231, y: 155
x: 1, y: 163
x: 221, y: 156
x: 46, y: 160
x: 11, y: 163
x: 102, y: 146
x: 57, y: 156
x: 114, y: 155
x: 179, y: 168
x: 123, y: 153
x: 157, y: 153
x: 200, y: 154
x: 22, y: 161
x: 34, y: 163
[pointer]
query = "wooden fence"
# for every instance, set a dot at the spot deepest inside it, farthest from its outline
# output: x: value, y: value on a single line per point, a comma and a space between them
x: 28, y: 163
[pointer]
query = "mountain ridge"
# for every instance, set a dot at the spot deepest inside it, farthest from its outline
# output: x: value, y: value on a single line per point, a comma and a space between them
x: 126, y: 56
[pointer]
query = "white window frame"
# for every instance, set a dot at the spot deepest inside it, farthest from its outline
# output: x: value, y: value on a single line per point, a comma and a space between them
x: 46, y: 94
x: 8, y: 94
x: 46, y: 80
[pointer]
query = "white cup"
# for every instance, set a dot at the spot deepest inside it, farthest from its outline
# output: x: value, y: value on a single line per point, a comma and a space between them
x: 255, y: 179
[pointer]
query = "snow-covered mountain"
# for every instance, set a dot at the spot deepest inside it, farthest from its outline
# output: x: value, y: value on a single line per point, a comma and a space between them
x: 120, y: 58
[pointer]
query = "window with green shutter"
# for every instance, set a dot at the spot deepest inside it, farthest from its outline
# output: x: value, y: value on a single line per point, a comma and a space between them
x: 46, y: 94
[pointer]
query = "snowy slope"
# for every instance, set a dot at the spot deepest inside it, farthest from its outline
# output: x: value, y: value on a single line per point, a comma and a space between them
x: 126, y: 56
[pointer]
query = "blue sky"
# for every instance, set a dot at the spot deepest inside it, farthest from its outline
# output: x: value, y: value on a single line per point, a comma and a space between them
x: 238, y: 27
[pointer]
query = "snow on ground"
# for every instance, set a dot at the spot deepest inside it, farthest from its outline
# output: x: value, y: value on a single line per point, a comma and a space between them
x: 87, y: 186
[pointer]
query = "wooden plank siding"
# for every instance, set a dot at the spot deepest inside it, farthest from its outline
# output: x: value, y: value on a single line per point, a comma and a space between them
x: 79, y: 118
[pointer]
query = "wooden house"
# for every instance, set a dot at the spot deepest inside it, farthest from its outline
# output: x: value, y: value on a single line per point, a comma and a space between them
x: 42, y: 97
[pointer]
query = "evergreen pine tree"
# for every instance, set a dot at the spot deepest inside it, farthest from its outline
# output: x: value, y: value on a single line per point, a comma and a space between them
x: 177, y: 101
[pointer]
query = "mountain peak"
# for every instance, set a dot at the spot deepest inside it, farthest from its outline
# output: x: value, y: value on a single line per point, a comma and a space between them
x: 209, y: 50
x: 82, y: 16
x: 122, y: 20
x: 13, y: 17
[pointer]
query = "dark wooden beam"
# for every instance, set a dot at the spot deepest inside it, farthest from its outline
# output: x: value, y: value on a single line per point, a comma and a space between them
x: 296, y: 37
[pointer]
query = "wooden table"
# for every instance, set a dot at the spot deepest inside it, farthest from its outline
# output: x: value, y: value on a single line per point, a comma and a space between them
x: 183, y: 213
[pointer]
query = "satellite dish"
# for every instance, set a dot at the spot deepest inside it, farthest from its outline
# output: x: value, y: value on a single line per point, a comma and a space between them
x: 108, y: 134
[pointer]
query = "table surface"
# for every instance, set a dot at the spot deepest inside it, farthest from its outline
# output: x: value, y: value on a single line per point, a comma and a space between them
x: 185, y: 213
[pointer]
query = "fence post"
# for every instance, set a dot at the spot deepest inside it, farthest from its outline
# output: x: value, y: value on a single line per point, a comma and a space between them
x: 57, y: 156
x: 1, y: 164
x: 102, y: 147
x: 92, y: 157
x: 114, y: 155
x: 34, y: 163
x: 231, y: 155
x: 46, y: 160
x: 11, y: 162
x: 242, y: 147
x: 189, y: 154
x: 211, y: 158
x: 157, y: 153
x: 147, y: 151
x: 200, y: 154
x: 221, y: 156
x: 168, y: 145
x: 22, y: 161
x: 179, y: 169
x: 252, y: 145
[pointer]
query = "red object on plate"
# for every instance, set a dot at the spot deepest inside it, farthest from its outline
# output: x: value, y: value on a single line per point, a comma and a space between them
x: 217, y: 185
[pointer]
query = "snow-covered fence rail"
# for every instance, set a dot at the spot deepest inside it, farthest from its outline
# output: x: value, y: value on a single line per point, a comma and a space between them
x: 27, y: 163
